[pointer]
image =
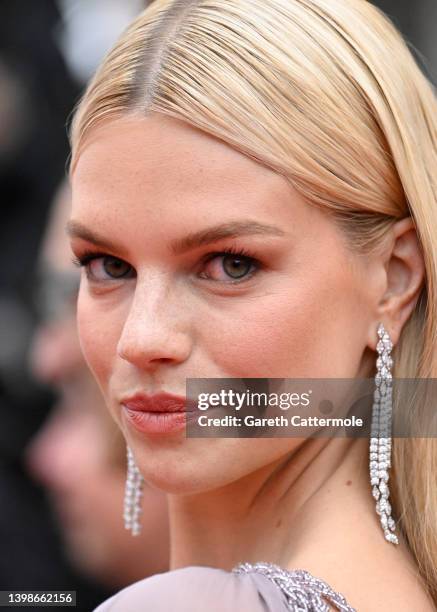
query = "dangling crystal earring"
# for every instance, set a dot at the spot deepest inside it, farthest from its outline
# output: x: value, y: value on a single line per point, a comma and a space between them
x: 380, y: 440
x: 133, y: 496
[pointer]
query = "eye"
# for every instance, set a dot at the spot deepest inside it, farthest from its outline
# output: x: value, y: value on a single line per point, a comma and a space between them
x: 100, y: 267
x: 234, y: 265
x: 231, y: 265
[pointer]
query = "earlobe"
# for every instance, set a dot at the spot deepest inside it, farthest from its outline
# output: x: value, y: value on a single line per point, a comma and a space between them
x: 405, y: 269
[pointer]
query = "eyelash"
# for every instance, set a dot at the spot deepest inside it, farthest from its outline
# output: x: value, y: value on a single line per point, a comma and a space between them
x: 88, y: 256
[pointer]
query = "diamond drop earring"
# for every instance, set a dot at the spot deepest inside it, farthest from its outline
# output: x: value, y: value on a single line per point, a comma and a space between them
x: 133, y: 496
x: 380, y: 440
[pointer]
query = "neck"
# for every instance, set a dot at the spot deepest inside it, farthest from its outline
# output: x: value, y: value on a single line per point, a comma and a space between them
x: 294, y: 506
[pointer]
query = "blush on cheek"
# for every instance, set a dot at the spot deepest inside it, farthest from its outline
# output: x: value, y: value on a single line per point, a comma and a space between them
x: 307, y: 330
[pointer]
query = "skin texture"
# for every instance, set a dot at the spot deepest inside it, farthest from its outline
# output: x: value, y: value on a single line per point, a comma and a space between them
x: 77, y: 454
x: 311, y: 310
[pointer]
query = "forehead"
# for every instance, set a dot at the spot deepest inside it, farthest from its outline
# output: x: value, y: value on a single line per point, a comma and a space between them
x: 161, y: 145
x: 157, y: 165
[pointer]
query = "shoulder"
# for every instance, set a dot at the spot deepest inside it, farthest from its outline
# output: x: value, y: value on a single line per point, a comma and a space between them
x: 196, y: 589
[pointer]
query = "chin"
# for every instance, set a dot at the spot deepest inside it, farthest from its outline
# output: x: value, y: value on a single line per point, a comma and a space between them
x: 193, y: 465
x: 182, y: 476
x: 176, y: 480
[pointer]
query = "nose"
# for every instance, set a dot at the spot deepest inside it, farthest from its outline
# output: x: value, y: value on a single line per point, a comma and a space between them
x: 156, y: 330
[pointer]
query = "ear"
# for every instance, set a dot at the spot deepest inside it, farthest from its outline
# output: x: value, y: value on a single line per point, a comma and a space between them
x: 405, y: 275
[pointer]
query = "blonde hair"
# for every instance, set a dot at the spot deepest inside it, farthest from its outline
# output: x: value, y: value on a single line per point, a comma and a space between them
x: 326, y: 93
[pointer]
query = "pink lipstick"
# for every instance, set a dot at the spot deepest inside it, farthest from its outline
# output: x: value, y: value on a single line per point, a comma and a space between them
x: 160, y: 413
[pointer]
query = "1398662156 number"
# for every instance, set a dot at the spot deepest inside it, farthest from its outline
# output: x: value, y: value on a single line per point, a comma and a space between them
x: 38, y: 598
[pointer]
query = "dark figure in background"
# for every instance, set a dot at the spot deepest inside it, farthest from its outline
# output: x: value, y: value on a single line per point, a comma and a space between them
x: 36, y: 96
x: 417, y: 22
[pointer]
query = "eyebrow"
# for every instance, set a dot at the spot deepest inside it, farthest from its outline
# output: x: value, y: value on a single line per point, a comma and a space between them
x: 179, y: 246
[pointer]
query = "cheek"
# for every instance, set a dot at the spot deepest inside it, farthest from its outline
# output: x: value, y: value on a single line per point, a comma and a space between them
x: 310, y: 329
x: 99, y: 331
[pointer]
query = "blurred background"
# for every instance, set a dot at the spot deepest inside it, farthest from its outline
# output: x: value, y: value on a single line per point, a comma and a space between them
x: 62, y: 462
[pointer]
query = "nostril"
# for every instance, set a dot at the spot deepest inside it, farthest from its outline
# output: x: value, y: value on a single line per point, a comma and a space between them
x: 148, y: 347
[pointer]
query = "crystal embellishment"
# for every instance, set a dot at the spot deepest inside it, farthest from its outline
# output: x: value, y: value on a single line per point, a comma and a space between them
x: 133, y: 496
x: 303, y: 591
x: 380, y: 440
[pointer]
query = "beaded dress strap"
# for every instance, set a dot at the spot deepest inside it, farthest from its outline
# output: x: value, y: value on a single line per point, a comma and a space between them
x: 303, y: 592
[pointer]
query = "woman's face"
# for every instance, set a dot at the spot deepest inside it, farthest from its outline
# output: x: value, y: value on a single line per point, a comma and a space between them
x: 301, y: 305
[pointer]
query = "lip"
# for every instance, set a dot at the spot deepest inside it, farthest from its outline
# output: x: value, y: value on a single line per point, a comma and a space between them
x: 160, y: 413
x: 159, y: 402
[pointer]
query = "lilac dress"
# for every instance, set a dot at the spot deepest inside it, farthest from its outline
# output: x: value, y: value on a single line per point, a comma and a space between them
x: 262, y: 587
